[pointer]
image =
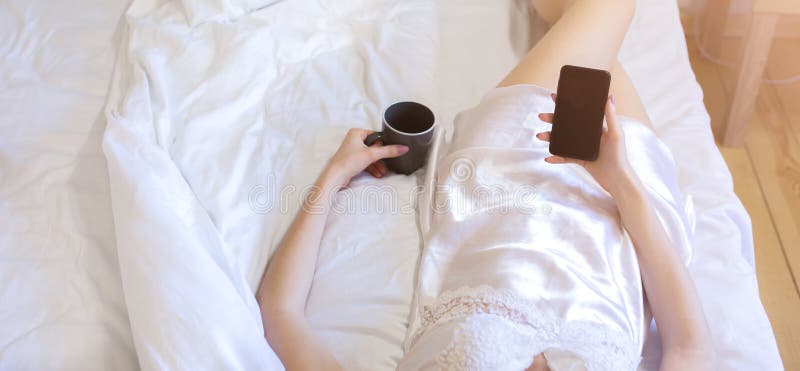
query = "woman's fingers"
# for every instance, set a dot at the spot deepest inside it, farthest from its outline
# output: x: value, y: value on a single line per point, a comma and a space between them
x: 378, y: 169
x: 563, y: 160
x: 381, y: 168
x: 381, y: 152
x: 555, y: 160
x: 377, y: 143
x: 611, y: 116
x: 545, y: 136
x: 373, y: 170
x: 359, y: 133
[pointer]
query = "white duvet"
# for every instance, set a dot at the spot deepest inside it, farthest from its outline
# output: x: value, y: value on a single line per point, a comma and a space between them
x: 213, y: 133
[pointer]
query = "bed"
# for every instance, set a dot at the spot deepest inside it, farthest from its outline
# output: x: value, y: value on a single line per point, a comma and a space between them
x: 152, y: 153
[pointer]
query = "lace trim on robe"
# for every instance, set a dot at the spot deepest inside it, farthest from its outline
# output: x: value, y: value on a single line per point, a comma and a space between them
x: 501, y: 331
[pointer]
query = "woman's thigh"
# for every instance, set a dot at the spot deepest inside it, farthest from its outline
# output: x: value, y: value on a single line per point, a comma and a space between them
x: 597, y: 49
x: 626, y: 98
x: 588, y: 33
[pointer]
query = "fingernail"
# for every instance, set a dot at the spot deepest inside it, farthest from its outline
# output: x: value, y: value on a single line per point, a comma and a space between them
x: 403, y: 149
x: 612, y: 99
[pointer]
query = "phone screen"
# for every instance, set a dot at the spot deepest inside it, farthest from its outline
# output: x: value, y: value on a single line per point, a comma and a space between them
x: 580, y: 108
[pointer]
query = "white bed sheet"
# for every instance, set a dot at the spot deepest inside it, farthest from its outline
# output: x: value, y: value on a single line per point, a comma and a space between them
x: 61, y: 304
x: 60, y: 287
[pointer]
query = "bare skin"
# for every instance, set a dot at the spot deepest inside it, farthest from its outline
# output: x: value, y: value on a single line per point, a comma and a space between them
x: 589, y: 33
x: 284, y: 288
x: 670, y: 291
x: 586, y: 33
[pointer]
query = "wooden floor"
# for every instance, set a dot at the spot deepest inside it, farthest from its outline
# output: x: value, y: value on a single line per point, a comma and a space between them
x: 766, y: 174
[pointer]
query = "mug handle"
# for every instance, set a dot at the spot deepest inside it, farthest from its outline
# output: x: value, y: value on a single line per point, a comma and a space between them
x: 372, y: 138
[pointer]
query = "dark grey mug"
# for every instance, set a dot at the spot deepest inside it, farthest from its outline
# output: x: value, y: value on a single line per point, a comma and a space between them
x: 410, y: 124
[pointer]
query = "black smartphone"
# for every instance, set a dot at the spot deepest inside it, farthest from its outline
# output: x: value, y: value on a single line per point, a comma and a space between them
x: 580, y: 108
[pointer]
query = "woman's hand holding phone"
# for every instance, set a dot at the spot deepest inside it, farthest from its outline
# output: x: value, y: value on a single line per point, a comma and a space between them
x: 611, y: 169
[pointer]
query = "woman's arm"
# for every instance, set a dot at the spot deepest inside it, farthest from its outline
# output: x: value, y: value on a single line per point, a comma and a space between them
x: 670, y: 290
x: 286, y: 283
x: 673, y: 299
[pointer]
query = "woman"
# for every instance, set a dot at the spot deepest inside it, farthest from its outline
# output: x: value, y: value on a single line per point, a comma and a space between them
x: 495, y: 303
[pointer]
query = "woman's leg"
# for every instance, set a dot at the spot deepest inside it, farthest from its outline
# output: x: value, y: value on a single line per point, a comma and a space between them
x: 585, y: 33
x: 626, y: 98
x: 588, y: 33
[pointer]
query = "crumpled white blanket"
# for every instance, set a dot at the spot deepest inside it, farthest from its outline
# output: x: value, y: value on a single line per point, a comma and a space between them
x: 215, y: 127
